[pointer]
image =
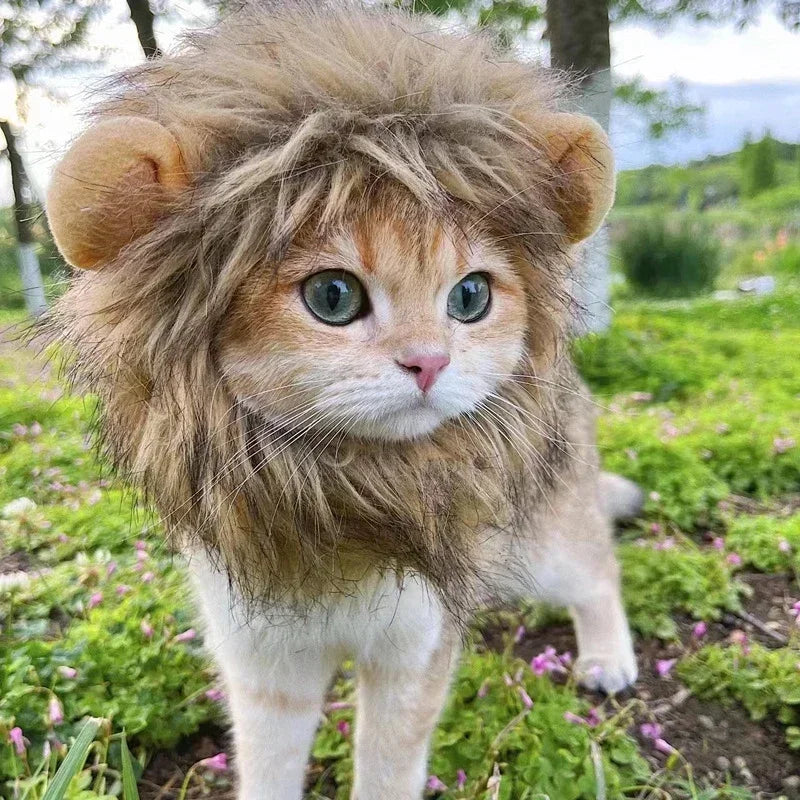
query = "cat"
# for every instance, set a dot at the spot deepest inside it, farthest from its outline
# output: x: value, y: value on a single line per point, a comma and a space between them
x: 326, y: 255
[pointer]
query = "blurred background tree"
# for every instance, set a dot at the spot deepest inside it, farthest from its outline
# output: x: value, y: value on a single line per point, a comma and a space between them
x: 36, y: 37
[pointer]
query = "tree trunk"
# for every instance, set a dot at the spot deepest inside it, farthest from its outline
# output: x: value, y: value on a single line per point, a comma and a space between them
x: 579, y: 43
x: 32, y: 286
x: 142, y: 16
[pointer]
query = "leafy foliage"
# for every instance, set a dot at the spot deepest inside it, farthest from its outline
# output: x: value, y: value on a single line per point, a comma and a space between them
x: 667, y: 263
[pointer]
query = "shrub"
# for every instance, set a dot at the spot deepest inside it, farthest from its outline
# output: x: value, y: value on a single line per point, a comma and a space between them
x: 669, y: 263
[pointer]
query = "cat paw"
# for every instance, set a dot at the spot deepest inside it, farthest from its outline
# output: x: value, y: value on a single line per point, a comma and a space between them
x: 609, y: 674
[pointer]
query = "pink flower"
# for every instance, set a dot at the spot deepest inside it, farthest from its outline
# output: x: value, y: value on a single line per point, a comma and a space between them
x: 186, y: 636
x: 734, y: 559
x: 215, y: 695
x: 780, y: 446
x: 699, y: 630
x: 55, y: 712
x: 795, y: 609
x: 68, y: 672
x: 122, y: 589
x: 435, y: 785
x: 740, y: 638
x: 217, y: 763
x: 46, y: 750
x: 508, y: 680
x: 343, y: 726
x: 18, y: 740
x: 655, y: 528
x: 95, y: 600
x: 484, y: 689
x: 664, y: 747
x: 719, y: 543
x: 111, y: 568
x: 664, y: 666
x: 784, y: 546
x: 593, y: 718
x: 526, y: 698
x: 146, y: 628
x: 566, y: 659
x: 519, y: 634
x: 574, y: 718
x: 650, y: 730
x: 461, y: 779
x: 338, y: 705
x: 141, y: 555
x: 141, y: 544
x: 147, y: 577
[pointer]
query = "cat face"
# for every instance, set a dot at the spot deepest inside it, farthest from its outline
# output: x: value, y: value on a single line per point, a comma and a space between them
x: 385, y: 330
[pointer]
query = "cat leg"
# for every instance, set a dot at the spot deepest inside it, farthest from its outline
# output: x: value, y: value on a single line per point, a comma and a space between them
x: 399, y: 702
x: 572, y: 563
x: 276, y: 674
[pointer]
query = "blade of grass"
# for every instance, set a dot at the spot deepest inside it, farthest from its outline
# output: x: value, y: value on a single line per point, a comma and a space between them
x: 74, y: 761
x: 130, y: 792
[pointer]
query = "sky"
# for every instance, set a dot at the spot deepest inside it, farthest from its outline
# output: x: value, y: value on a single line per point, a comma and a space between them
x: 747, y: 82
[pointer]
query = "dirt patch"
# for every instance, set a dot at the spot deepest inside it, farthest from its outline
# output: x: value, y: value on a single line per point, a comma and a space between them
x: 14, y: 562
x: 720, y: 742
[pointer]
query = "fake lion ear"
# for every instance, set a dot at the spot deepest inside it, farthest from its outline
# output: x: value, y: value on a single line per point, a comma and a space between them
x: 580, y: 149
x: 111, y: 187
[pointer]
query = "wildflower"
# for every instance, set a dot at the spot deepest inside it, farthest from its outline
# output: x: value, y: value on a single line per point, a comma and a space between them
x: 740, y: 638
x: 655, y: 497
x: 68, y: 672
x: 339, y: 705
x: 664, y: 666
x: 55, y: 712
x: 508, y: 680
x: 343, y: 726
x: 795, y: 609
x: 526, y: 698
x: 519, y: 634
x: 666, y: 544
x: 699, y: 630
x: 435, y: 785
x: 46, y: 749
x: 141, y: 544
x: 146, y: 628
x: 461, y: 779
x: 148, y: 577
x: 484, y: 689
x: 780, y: 446
x: 95, y: 600
x: 574, y: 718
x: 215, y: 695
x: 186, y: 636
x: 217, y: 763
x: 111, y: 568
x: 141, y: 555
x: 784, y: 546
x: 655, y: 528
x: 18, y: 740
x: 664, y: 747
x: 122, y: 589
x: 650, y: 730
x: 566, y: 659
x: 734, y: 559
x: 593, y: 718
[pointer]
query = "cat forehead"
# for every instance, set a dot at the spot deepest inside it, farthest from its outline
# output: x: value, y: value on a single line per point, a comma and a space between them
x: 399, y: 250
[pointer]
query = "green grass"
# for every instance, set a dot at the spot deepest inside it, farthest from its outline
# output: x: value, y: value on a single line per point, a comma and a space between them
x: 700, y: 403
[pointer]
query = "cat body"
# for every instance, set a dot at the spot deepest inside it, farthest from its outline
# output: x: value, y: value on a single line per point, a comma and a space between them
x: 327, y: 255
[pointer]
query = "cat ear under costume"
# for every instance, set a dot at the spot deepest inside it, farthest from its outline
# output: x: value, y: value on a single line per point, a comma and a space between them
x: 111, y: 187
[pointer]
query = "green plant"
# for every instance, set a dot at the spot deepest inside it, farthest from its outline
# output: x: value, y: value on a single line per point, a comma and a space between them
x: 669, y: 263
x: 765, y: 682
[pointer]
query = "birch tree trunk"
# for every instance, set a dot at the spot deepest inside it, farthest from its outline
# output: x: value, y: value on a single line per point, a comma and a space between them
x: 579, y: 43
x: 28, y: 261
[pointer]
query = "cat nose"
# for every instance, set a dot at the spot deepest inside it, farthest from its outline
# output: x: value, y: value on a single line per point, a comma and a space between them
x: 425, y: 368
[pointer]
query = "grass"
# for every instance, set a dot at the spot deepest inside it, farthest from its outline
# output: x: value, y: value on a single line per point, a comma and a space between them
x: 700, y: 406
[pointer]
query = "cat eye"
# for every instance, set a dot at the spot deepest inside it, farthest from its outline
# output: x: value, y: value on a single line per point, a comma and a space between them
x: 335, y: 297
x: 468, y: 300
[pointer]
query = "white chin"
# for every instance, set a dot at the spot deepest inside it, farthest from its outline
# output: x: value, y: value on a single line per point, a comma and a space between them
x: 401, y: 425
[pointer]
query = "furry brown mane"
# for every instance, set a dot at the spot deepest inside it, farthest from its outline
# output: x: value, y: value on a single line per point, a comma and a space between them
x: 293, y: 119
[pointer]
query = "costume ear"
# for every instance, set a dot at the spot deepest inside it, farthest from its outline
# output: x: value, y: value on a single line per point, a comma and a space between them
x: 580, y: 149
x: 111, y: 187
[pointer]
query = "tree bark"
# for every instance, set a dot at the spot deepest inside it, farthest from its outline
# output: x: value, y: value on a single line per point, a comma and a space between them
x: 142, y: 16
x: 32, y: 285
x: 580, y: 44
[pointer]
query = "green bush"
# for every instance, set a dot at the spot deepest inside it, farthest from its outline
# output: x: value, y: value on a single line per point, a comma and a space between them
x: 663, y: 262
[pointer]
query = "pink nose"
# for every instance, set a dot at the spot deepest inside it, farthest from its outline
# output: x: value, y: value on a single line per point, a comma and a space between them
x: 424, y: 368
